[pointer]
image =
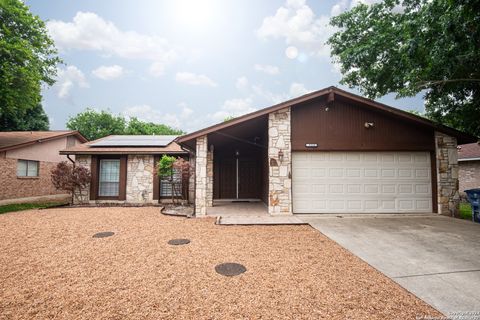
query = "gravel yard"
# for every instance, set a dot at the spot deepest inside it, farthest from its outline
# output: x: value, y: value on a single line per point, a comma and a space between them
x: 52, y: 267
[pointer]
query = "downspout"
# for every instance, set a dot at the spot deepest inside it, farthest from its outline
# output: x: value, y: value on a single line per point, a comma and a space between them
x: 71, y: 160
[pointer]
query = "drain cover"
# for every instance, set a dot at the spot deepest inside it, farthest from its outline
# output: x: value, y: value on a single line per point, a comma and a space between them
x: 230, y: 269
x: 103, y: 234
x: 178, y: 242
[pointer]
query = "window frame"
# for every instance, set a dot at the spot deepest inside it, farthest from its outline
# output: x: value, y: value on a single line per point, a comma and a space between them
x: 100, y: 178
x: 95, y: 182
x: 28, y: 164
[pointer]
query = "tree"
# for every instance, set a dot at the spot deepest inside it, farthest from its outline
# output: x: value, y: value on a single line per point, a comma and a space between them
x: 96, y: 124
x: 175, y: 171
x: 28, y: 60
x: 414, y: 46
x: 26, y: 120
x: 136, y: 126
x: 70, y: 178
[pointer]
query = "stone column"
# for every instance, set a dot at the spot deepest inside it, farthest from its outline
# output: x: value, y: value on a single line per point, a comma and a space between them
x: 447, y: 174
x: 280, y: 176
x: 203, y: 176
x: 83, y: 196
x: 140, y: 178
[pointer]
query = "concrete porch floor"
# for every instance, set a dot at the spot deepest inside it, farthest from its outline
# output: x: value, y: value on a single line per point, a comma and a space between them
x: 230, y: 208
x: 247, y: 213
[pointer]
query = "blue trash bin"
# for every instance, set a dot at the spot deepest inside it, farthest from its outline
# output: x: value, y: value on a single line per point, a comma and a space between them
x: 473, y: 196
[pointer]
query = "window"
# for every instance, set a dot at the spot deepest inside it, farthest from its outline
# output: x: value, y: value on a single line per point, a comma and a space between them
x: 166, y: 186
x: 27, y: 168
x: 109, y: 177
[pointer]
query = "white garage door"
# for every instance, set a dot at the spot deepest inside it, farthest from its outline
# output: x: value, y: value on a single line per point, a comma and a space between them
x: 361, y: 182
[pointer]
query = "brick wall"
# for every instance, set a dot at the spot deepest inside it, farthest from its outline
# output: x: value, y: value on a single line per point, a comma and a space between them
x: 469, y: 175
x: 280, y: 180
x: 12, y: 187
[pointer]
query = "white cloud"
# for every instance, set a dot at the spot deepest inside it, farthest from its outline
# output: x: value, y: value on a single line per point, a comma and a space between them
x: 157, y: 69
x: 297, y: 24
x: 242, y: 83
x: 268, y: 69
x: 186, y: 111
x: 194, y: 79
x: 233, y: 107
x: 88, y: 31
x: 298, y: 89
x: 67, y: 79
x: 339, y: 7
x: 108, y: 72
x: 147, y: 113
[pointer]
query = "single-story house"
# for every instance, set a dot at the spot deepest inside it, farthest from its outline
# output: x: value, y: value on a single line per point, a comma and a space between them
x: 328, y: 151
x: 26, y: 159
x: 469, y: 166
x: 123, y: 169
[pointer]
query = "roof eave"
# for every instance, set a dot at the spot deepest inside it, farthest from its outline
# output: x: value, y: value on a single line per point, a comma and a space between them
x: 461, y: 136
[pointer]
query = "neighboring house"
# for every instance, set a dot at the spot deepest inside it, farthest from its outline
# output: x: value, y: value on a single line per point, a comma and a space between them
x: 329, y: 151
x: 26, y: 160
x: 469, y: 166
x: 123, y: 169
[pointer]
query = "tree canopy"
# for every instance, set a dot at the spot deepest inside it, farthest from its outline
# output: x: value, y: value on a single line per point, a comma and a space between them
x: 412, y: 46
x: 97, y: 124
x: 28, y: 60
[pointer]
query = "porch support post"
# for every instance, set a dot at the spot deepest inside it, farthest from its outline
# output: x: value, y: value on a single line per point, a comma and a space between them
x: 447, y: 174
x: 279, y: 163
x: 203, y: 176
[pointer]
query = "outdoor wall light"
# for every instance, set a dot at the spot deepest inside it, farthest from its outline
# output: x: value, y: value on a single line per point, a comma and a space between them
x: 280, y: 156
x: 237, y: 153
x: 369, y: 125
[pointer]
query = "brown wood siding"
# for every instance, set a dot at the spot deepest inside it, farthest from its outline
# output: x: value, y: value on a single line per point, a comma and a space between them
x: 342, y: 128
x: 122, y: 192
x: 156, y: 180
x: 94, y: 179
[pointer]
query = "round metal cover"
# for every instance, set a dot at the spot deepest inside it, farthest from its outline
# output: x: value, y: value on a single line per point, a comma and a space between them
x: 230, y: 269
x: 103, y: 234
x: 178, y: 242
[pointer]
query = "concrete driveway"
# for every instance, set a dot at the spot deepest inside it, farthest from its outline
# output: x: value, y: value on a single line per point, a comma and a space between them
x: 436, y: 258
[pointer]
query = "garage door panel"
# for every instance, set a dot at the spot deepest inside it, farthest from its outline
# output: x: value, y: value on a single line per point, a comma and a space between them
x: 332, y: 182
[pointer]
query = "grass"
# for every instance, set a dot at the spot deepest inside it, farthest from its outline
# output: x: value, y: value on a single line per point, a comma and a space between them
x: 465, y: 211
x: 28, y: 206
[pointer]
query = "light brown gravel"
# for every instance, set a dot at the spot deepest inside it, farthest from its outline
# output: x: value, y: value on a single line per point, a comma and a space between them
x: 51, y: 267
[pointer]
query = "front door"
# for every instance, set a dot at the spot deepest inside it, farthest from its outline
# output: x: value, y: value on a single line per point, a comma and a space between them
x: 248, y: 178
x: 238, y: 178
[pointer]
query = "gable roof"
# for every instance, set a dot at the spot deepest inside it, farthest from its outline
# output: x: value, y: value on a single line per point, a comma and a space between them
x: 469, y: 152
x: 128, y: 144
x: 330, y: 93
x: 19, y: 139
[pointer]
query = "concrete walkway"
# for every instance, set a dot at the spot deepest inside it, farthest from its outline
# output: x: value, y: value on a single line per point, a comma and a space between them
x: 258, y: 220
x: 436, y: 258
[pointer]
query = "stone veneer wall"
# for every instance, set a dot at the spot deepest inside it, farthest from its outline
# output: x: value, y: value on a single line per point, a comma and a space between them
x: 83, y: 196
x: 140, y: 178
x: 280, y: 179
x: 203, y: 176
x: 447, y: 174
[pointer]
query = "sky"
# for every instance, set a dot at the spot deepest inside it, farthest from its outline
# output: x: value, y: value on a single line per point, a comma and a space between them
x: 189, y: 63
